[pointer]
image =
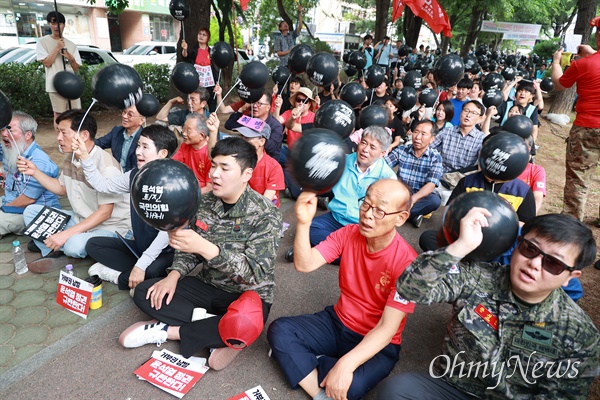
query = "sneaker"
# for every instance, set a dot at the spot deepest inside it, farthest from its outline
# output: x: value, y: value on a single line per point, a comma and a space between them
x: 222, y: 357
x: 289, y: 255
x: 52, y: 262
x: 105, y: 273
x: 32, y: 247
x: 144, y: 332
x: 417, y: 221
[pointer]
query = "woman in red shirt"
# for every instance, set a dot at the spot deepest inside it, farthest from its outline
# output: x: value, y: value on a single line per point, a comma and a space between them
x: 199, y: 55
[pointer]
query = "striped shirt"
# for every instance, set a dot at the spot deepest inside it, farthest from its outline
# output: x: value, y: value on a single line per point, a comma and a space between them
x: 458, y: 151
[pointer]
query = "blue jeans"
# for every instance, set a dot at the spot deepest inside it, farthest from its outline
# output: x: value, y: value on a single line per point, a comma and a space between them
x: 75, y: 246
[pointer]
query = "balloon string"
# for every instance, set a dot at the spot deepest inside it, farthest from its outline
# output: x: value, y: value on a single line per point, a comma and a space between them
x: 218, y: 82
x: 81, y: 123
x: 286, y: 82
x: 372, y: 92
x: 182, y: 30
x: 14, y: 141
x: 224, y: 97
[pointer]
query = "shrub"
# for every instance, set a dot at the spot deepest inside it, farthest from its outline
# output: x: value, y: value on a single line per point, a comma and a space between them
x: 156, y: 79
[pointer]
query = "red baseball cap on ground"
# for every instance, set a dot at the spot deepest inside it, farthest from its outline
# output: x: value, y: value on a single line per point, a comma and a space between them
x: 243, y: 322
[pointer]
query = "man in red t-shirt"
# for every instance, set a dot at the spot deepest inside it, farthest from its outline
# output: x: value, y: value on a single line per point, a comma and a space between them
x: 348, y: 348
x: 583, y: 144
x: 267, y: 177
x: 193, y: 152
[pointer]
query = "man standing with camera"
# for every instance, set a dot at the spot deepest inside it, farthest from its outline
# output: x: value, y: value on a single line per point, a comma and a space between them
x: 58, y: 54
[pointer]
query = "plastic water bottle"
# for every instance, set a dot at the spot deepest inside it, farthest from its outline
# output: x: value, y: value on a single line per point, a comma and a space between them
x: 69, y: 270
x: 19, y: 258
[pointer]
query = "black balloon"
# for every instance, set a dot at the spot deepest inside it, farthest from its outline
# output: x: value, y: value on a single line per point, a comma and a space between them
x: 374, y: 76
x: 503, y: 156
x: 481, y: 50
x: 180, y: 9
x: 221, y: 54
x: 448, y: 70
x: 519, y: 125
x: 299, y: 57
x: 404, y: 50
x: 280, y: 75
x: 318, y: 160
x: 413, y: 79
x: 493, y: 81
x: 336, y: 115
x: 511, y: 60
x: 509, y: 73
x: 249, y: 95
x: 350, y: 70
x: 179, y: 194
x: 358, y: 59
x: 354, y: 94
x: 408, y: 98
x: 185, y: 77
x: 68, y: 85
x: 346, y: 55
x: 119, y: 86
x: 254, y: 75
x: 535, y: 59
x: 374, y: 114
x: 427, y: 97
x: 547, y: 85
x: 322, y: 69
x: 470, y: 61
x: 493, y: 97
x: 503, y: 225
x: 148, y: 106
x: 5, y: 110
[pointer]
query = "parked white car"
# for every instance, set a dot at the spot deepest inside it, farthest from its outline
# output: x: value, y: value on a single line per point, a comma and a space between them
x: 25, y: 54
x: 149, y: 52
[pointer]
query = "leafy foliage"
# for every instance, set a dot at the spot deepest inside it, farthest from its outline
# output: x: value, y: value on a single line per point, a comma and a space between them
x: 114, y: 6
x: 156, y: 79
x: 546, y: 48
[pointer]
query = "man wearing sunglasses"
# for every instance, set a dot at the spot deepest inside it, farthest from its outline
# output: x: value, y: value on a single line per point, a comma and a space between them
x: 343, y: 351
x: 514, y: 332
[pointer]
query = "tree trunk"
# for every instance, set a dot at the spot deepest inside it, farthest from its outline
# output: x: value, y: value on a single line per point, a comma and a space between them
x: 381, y: 18
x: 199, y: 17
x: 473, y: 31
x: 586, y: 10
x: 411, y: 28
x: 284, y: 15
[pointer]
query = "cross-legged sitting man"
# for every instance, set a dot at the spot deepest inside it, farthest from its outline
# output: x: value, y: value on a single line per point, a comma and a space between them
x: 513, y: 332
x: 234, y: 238
x: 343, y: 351
x: 94, y: 213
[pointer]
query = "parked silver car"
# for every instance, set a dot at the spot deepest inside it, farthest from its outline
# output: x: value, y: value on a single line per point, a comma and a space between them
x: 25, y: 54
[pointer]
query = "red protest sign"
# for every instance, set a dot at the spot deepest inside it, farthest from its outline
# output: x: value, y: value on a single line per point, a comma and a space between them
x: 74, y: 294
x: 171, y: 372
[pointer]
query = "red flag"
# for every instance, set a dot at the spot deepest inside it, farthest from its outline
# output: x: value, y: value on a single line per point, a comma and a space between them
x: 397, y: 10
x: 244, y: 4
x: 432, y: 13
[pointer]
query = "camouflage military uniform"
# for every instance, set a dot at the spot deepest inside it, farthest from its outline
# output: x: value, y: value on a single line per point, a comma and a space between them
x: 582, y: 159
x: 248, y: 236
x: 549, y: 349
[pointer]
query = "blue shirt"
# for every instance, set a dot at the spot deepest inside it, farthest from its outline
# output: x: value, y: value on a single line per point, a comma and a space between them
x: 416, y: 172
x: 458, y: 151
x: 17, y: 184
x: 384, y: 57
x: 352, y: 186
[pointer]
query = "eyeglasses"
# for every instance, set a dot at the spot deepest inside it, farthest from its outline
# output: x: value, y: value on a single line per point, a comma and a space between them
x: 262, y: 104
x: 378, y: 213
x: 549, y: 263
x: 469, y: 112
x: 129, y: 114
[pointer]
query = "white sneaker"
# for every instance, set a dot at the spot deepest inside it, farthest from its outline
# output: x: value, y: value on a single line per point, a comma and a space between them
x: 105, y: 273
x: 142, y: 333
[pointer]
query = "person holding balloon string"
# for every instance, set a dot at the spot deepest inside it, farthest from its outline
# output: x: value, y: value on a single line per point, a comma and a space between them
x: 233, y: 237
x: 94, y: 213
x: 115, y: 261
x: 286, y: 41
x: 259, y: 110
x: 197, y: 102
x: 122, y: 140
x: 295, y: 120
x: 394, y: 123
x: 57, y: 54
x: 506, y: 314
x: 344, y: 351
x: 199, y: 56
x: 18, y: 140
x: 285, y: 96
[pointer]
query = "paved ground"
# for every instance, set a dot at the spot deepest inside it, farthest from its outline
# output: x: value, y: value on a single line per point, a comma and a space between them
x: 48, y: 352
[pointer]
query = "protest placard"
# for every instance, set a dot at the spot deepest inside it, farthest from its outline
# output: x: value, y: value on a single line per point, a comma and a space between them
x: 256, y: 393
x: 48, y: 222
x: 74, y: 294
